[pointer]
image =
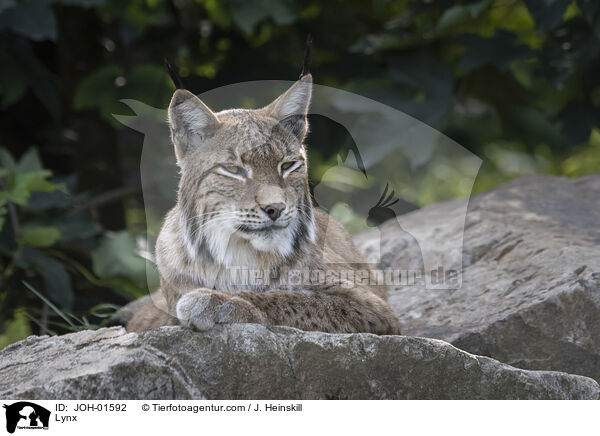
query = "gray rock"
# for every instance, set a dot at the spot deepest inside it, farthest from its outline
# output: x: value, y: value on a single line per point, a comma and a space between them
x: 247, y: 361
x: 530, y: 295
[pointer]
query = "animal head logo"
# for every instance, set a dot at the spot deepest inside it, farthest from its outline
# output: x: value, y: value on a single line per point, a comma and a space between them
x: 26, y: 415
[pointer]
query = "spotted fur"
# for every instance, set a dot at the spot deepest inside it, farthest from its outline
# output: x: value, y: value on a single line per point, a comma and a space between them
x: 234, y: 165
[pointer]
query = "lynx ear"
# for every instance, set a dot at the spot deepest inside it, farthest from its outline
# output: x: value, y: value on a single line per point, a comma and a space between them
x: 291, y: 107
x: 190, y: 120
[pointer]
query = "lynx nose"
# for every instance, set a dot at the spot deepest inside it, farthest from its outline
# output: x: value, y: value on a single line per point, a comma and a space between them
x: 273, y: 210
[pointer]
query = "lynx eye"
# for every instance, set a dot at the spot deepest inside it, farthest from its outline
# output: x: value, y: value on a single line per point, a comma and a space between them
x: 287, y: 167
x: 232, y: 171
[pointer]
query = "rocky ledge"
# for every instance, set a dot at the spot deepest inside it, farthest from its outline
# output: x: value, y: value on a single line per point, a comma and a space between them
x: 530, y: 294
x: 530, y: 297
x: 248, y: 361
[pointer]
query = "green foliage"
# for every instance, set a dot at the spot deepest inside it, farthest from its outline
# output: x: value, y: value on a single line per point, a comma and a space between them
x: 31, y: 18
x: 106, y: 87
x: 247, y: 15
x: 15, y: 329
x: 22, y: 70
x: 115, y: 260
x: 23, y: 177
x: 43, y: 241
x: 517, y: 82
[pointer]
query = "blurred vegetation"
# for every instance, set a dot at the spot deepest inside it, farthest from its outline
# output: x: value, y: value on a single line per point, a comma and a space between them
x: 515, y: 81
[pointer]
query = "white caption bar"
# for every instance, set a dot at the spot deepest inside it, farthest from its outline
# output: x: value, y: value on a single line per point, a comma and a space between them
x: 262, y: 418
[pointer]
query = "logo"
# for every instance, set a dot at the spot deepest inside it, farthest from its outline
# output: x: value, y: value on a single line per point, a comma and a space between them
x: 26, y: 415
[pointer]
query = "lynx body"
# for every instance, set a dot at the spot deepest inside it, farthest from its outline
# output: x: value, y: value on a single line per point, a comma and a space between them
x: 244, y: 225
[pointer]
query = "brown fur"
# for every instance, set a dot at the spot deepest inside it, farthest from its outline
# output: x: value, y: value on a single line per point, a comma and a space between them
x: 231, y: 171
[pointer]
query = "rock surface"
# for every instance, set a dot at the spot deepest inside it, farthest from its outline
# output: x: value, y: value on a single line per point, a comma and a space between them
x: 530, y: 295
x: 248, y: 361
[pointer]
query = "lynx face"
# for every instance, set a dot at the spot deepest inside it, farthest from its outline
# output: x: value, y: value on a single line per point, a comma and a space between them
x: 244, y: 189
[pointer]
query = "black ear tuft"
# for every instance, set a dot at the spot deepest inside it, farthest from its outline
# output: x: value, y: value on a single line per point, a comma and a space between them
x: 307, y: 54
x: 173, y: 75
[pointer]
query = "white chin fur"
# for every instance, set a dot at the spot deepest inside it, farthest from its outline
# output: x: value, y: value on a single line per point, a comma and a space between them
x: 279, y: 242
x: 231, y: 248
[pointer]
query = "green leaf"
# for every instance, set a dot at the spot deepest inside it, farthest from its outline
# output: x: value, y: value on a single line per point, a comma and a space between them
x: 21, y: 186
x: 547, y: 14
x: 44, y: 236
x: 6, y: 159
x: 60, y: 197
x: 477, y: 8
x: 283, y: 12
x: 29, y: 68
x: 77, y: 227
x: 147, y: 83
x: 116, y: 256
x: 44, y: 200
x: 458, y: 14
x: 248, y: 14
x: 57, y: 283
x: 24, y: 177
x: 30, y: 161
x: 99, y: 90
x: 31, y: 18
x: 149, y: 77
x: 453, y: 16
x: 15, y: 329
x: 12, y: 82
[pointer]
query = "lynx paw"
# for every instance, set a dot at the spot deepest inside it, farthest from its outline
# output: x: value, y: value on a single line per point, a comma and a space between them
x: 204, y: 308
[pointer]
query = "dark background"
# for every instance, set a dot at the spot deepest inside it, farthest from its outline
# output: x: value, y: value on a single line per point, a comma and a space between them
x: 516, y: 82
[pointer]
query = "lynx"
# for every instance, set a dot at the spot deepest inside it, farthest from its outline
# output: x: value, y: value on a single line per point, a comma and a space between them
x: 244, y: 210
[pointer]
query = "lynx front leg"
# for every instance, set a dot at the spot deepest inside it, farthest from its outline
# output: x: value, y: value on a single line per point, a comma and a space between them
x: 342, y: 311
x: 204, y: 308
x: 339, y: 312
